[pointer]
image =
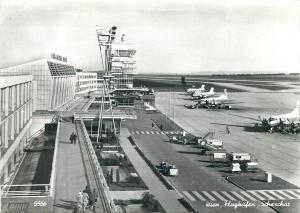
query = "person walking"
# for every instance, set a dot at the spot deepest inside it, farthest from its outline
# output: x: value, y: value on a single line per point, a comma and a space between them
x: 72, y: 137
x: 79, y: 200
x: 93, y: 199
x: 85, y: 200
x: 227, y: 129
x: 152, y: 125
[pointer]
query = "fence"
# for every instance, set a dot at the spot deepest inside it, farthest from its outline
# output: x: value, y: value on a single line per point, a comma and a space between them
x: 97, y: 167
x: 25, y: 190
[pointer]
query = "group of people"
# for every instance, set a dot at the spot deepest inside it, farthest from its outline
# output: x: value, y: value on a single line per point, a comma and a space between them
x: 73, y: 138
x: 86, y: 198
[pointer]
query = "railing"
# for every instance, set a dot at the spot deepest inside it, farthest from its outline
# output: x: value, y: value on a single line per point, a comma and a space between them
x: 31, y: 190
x: 25, y: 190
x: 28, y: 143
x: 98, y: 169
x: 53, y: 170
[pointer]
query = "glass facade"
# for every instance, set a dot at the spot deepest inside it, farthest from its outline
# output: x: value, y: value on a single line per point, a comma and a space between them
x: 55, y: 81
x: 16, y: 108
x: 85, y: 82
x: 122, y: 65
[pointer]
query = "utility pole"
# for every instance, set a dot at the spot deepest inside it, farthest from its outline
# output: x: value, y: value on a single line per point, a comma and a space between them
x: 173, y: 110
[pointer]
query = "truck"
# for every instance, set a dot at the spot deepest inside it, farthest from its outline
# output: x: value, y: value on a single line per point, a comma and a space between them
x: 240, y: 157
x: 167, y: 168
x: 250, y: 166
x: 179, y: 139
x: 214, y: 144
x: 235, y: 167
x: 219, y: 157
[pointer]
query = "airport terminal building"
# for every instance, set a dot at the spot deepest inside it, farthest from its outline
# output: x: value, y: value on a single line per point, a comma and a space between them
x: 85, y: 82
x: 55, y: 81
x: 16, y: 108
x: 122, y: 65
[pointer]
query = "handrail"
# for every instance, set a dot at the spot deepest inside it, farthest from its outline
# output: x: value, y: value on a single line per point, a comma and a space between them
x: 45, y: 192
x: 29, y: 140
x: 53, y: 168
x: 98, y: 168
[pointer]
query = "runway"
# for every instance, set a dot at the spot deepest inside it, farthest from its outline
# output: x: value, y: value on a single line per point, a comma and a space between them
x: 276, y: 153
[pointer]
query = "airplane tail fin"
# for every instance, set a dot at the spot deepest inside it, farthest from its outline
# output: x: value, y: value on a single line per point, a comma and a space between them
x: 212, y: 89
x: 296, y: 111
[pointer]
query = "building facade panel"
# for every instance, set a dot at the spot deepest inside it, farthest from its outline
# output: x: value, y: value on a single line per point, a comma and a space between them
x: 45, y: 73
x: 85, y: 82
x: 15, y: 120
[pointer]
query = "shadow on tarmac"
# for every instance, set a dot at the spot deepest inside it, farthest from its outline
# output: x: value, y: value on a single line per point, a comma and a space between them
x: 66, y: 204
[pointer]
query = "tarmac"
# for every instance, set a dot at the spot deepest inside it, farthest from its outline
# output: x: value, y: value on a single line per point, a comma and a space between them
x: 277, y: 153
x: 194, y: 180
x: 167, y: 198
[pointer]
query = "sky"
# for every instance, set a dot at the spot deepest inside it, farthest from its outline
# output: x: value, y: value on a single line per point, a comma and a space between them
x: 170, y: 36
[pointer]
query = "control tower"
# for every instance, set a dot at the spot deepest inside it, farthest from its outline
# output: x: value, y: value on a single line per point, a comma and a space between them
x: 117, y: 57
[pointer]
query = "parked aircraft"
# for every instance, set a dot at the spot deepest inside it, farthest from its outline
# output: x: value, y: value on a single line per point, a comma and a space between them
x: 293, y: 116
x: 194, y: 89
x: 220, y: 102
x: 288, y: 123
x: 201, y: 95
x: 215, y: 100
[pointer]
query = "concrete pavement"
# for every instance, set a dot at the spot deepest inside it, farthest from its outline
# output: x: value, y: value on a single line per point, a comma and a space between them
x: 193, y: 176
x: 70, y: 174
x: 168, y: 199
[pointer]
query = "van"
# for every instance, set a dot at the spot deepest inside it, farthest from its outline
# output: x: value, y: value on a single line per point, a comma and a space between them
x: 240, y: 157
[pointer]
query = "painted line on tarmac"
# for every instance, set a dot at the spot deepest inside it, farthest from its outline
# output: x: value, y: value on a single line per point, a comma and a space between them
x: 219, y: 196
x: 293, y: 193
x: 266, y: 195
x: 238, y: 196
x: 276, y: 195
x: 229, y: 196
x: 297, y: 191
x: 257, y: 195
x: 248, y: 196
x: 188, y: 195
x: 208, y: 195
x: 286, y: 195
x: 200, y: 197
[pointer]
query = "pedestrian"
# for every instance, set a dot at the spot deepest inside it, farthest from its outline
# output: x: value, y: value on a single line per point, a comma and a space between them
x: 76, y: 209
x: 72, y: 137
x: 85, y: 200
x: 93, y: 198
x: 88, y: 190
x: 161, y: 127
x: 152, y: 125
x: 79, y: 199
x: 227, y: 129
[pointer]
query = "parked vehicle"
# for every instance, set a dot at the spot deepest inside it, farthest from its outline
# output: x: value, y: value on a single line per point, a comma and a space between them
x: 235, y: 167
x: 240, y: 157
x: 167, y: 168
